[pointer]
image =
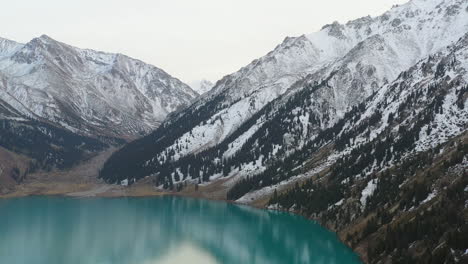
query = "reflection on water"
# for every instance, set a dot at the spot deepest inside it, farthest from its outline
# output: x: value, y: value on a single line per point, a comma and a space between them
x: 158, y: 231
x: 185, y: 254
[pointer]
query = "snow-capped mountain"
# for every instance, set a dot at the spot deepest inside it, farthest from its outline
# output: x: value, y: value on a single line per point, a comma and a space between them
x: 28, y: 146
x: 236, y: 129
x: 420, y: 110
x: 86, y: 91
x: 201, y: 86
x: 8, y: 47
x: 395, y: 163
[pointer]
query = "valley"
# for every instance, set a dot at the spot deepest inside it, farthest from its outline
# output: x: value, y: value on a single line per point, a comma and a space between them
x: 361, y: 127
x: 79, y: 181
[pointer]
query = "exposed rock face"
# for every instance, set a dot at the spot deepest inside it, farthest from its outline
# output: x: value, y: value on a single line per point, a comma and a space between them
x: 86, y: 91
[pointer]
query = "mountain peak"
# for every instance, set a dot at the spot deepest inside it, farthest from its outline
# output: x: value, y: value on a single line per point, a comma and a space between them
x: 201, y: 86
x: 8, y: 47
x: 127, y: 94
x: 45, y: 37
x: 41, y: 41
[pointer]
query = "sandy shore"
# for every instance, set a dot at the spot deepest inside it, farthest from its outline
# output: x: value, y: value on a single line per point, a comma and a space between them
x: 83, y: 190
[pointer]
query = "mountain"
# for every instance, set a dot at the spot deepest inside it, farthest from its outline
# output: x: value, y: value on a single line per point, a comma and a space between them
x: 202, y: 86
x: 88, y: 92
x: 275, y: 105
x: 61, y: 106
x: 361, y: 127
x: 30, y: 146
x: 396, y: 184
x: 8, y: 47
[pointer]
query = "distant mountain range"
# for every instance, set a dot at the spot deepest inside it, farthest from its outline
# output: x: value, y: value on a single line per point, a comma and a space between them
x: 202, y: 86
x: 86, y: 91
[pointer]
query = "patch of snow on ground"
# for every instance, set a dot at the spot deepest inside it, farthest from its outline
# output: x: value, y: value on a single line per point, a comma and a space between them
x: 368, y: 191
x: 451, y: 122
x: 237, y: 144
x: 254, y: 195
x: 430, y: 197
x: 339, y: 203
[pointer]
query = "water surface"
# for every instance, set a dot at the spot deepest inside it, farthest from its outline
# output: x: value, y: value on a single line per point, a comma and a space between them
x: 163, y: 230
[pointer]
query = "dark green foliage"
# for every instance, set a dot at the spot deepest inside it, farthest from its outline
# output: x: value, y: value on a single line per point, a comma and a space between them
x: 386, y: 191
x: 371, y: 226
x: 389, y: 146
x: 133, y: 160
x: 414, y: 195
x: 443, y: 220
x: 136, y: 160
x: 310, y: 197
x: 49, y: 146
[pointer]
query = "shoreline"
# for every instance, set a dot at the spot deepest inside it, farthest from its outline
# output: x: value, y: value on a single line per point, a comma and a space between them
x: 142, y: 191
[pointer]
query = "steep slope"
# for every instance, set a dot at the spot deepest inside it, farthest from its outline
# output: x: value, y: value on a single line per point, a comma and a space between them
x: 35, y: 144
x: 8, y: 47
x: 278, y: 103
x: 60, y: 105
x: 28, y: 146
x: 388, y: 45
x: 422, y: 108
x: 86, y: 91
x: 395, y: 187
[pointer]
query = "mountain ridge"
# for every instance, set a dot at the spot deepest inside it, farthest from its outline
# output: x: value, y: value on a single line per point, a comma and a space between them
x: 50, y: 72
x: 361, y: 126
x: 363, y: 54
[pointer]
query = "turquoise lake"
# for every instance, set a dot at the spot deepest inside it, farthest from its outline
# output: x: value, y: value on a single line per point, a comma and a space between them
x: 163, y: 230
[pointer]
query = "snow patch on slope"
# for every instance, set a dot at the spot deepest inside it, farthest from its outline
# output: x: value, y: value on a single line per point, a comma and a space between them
x: 368, y: 191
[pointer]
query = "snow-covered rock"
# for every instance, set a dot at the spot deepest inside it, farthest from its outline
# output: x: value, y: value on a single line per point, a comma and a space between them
x: 87, y: 91
x: 201, y: 86
x: 124, y: 182
x: 368, y: 191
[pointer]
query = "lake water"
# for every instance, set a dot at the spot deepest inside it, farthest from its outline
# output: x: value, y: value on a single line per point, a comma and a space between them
x: 53, y: 230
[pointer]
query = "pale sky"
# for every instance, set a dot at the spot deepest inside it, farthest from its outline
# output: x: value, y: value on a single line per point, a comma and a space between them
x: 190, y: 39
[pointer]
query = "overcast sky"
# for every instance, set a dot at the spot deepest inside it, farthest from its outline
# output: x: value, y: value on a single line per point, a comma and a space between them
x: 190, y: 39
